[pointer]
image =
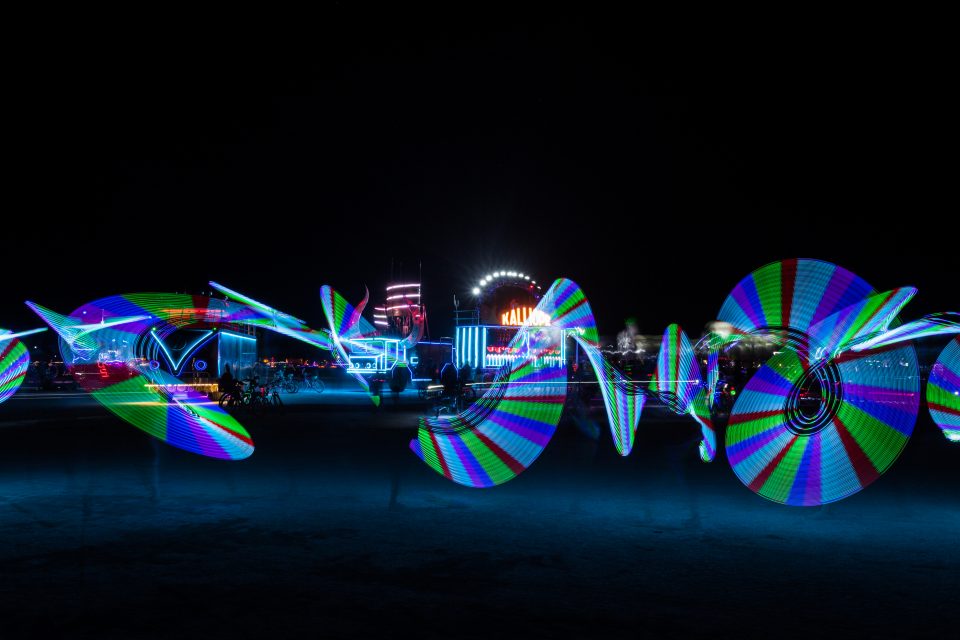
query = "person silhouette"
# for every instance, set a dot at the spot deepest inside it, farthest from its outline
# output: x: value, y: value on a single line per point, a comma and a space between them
x: 466, y: 374
x: 226, y: 380
x: 448, y: 378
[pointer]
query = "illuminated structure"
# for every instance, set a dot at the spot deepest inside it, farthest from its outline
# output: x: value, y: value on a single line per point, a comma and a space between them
x: 822, y: 419
x: 238, y: 351
x: 403, y: 315
x: 375, y: 355
x: 398, y: 325
x: 485, y: 335
x: 14, y: 361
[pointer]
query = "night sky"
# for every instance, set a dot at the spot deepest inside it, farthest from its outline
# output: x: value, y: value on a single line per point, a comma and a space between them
x: 546, y: 150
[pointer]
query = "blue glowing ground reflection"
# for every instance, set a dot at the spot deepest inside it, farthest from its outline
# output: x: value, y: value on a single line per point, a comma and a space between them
x: 113, y: 531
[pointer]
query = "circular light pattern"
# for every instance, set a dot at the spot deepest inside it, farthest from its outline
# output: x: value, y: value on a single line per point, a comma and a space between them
x: 14, y: 362
x: 943, y: 391
x: 862, y: 416
x: 805, y: 435
x: 200, y: 365
x: 791, y: 295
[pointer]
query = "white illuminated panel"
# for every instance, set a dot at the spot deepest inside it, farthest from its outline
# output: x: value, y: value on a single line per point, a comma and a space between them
x: 374, y: 355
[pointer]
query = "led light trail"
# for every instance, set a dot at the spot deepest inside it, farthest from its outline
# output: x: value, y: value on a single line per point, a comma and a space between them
x: 821, y: 420
x: 504, y: 431
x: 112, y: 360
x: 113, y: 348
x: 14, y: 361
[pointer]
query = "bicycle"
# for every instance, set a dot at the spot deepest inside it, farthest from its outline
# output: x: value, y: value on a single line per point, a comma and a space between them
x: 253, y: 397
x: 313, y: 383
x: 290, y: 384
x: 285, y: 381
x: 237, y: 396
x: 266, y: 397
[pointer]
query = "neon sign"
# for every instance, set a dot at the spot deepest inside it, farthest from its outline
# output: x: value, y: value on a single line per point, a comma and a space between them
x: 524, y: 316
x: 177, y: 364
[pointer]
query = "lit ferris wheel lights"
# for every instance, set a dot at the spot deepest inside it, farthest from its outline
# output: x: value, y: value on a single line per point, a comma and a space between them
x: 490, y: 277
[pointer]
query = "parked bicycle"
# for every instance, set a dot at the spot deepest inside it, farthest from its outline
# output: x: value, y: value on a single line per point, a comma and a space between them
x: 267, y: 397
x: 313, y: 382
x: 237, y: 395
x: 285, y: 381
x: 253, y: 397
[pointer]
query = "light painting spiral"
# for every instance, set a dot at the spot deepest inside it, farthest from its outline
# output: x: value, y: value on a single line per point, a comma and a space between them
x: 807, y: 435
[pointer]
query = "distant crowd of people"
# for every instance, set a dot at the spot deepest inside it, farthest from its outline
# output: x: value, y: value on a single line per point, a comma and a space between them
x: 45, y: 375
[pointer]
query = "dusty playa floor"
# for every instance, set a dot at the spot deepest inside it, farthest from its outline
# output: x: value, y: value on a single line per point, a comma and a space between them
x: 333, y: 528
